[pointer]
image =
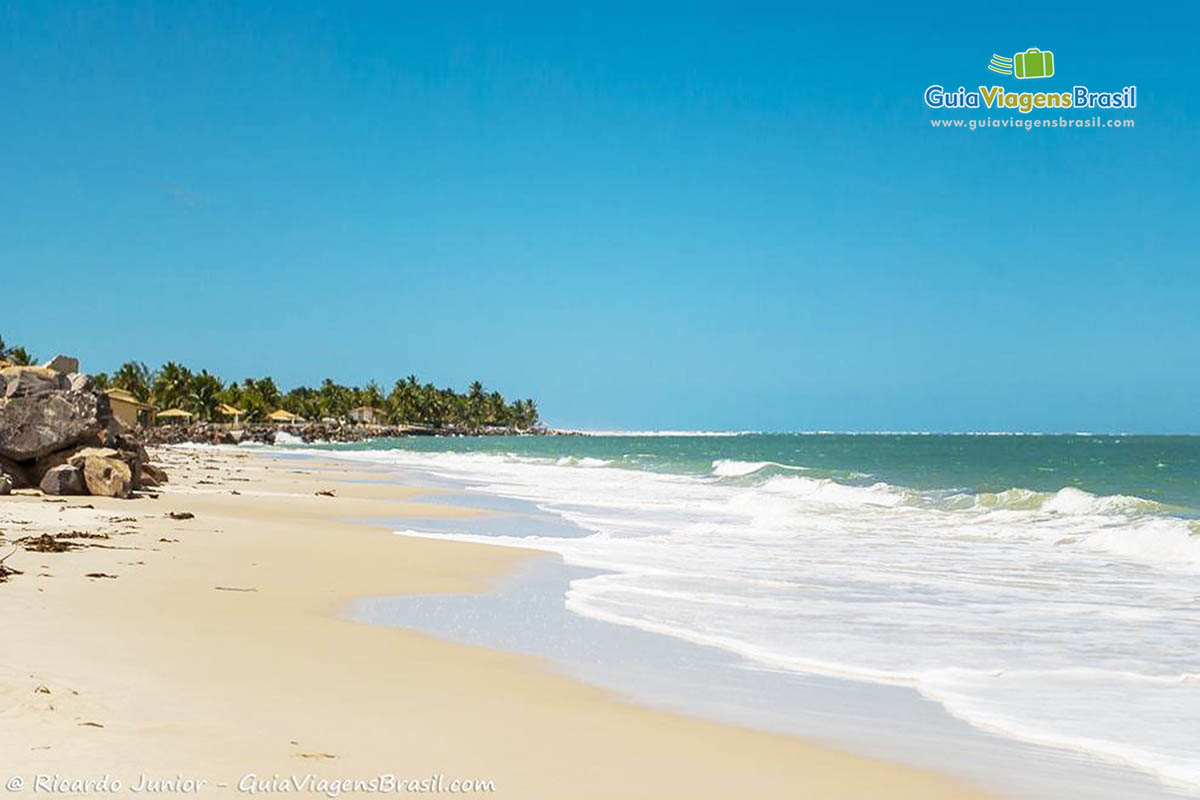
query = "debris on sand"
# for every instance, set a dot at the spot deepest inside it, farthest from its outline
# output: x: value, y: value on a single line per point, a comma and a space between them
x: 181, y: 515
x: 80, y: 535
x: 46, y: 544
x: 235, y: 589
x: 98, y: 575
x: 324, y: 493
x: 6, y: 571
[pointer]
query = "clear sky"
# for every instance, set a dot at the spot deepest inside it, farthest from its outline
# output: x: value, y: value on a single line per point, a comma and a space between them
x: 644, y: 215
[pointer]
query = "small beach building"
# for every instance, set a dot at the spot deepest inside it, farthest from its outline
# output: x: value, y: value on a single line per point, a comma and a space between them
x: 128, y: 409
x: 287, y: 417
x: 230, y: 413
x: 176, y: 416
x: 366, y: 415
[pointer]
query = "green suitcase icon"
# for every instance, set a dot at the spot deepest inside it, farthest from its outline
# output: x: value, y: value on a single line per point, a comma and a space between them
x: 1033, y: 63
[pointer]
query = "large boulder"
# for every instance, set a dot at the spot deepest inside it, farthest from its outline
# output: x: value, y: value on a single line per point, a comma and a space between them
x: 77, y: 457
x: 63, y: 479
x: 131, y: 458
x: 64, y: 364
x: 32, y: 381
x: 107, y: 477
x: 35, y: 426
x: 56, y: 459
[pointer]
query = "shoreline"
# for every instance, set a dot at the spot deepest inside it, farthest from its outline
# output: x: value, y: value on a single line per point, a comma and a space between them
x: 218, y: 653
x: 892, y: 722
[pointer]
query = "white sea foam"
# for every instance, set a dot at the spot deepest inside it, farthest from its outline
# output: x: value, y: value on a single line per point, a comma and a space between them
x: 572, y: 461
x: 1063, y: 618
x: 729, y: 468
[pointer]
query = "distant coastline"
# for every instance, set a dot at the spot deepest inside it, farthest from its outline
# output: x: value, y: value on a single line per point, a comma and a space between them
x: 202, y: 403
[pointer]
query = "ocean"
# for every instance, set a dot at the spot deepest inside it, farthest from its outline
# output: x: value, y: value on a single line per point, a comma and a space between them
x: 1045, y: 588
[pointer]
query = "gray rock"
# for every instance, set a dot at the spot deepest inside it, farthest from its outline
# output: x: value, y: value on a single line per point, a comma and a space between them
x: 6, y: 484
x: 32, y: 381
x: 63, y: 479
x: 35, y: 426
x: 78, y: 382
x: 63, y: 364
x: 56, y: 459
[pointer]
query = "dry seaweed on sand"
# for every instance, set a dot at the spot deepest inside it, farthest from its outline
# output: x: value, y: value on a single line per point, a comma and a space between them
x: 324, y: 493
x: 181, y: 515
x: 80, y: 535
x: 46, y: 544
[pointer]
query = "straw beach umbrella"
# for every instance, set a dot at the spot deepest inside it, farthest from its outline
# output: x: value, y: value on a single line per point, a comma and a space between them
x: 229, y: 412
x: 173, y: 415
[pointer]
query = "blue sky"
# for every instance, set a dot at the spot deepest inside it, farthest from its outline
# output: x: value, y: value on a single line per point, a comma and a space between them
x: 684, y: 216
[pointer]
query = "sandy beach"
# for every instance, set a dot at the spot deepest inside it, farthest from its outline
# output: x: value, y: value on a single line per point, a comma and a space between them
x: 210, y: 655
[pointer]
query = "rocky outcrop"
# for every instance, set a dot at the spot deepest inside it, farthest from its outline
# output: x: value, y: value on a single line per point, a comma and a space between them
x: 80, y: 382
x: 33, y: 425
x: 59, y: 434
x: 265, y: 432
x: 64, y: 364
x: 24, y: 381
x: 63, y: 479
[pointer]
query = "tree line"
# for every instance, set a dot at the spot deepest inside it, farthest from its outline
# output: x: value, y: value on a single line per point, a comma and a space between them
x: 409, y: 402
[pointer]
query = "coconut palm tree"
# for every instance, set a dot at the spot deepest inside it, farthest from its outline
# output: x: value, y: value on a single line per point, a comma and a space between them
x: 135, y: 378
x: 203, y: 395
x: 17, y: 355
x: 171, y: 386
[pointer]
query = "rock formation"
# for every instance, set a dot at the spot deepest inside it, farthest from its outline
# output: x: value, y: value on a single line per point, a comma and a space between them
x: 59, y: 434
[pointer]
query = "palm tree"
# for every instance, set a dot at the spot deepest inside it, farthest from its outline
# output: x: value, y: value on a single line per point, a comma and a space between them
x: 135, y: 378
x: 477, y: 406
x: 172, y: 385
x: 259, y: 397
x: 404, y: 401
x: 17, y: 355
x: 203, y: 395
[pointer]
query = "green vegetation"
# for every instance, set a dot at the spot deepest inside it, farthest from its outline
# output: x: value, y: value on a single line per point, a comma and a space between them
x: 410, y: 402
x: 17, y: 355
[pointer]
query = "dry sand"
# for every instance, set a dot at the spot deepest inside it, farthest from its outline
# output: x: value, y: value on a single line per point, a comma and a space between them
x: 216, y: 652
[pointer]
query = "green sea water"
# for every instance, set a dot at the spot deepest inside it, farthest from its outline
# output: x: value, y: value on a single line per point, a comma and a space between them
x: 1040, y: 586
x: 1165, y: 469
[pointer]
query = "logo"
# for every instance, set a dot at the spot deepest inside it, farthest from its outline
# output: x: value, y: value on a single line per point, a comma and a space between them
x: 1033, y: 63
